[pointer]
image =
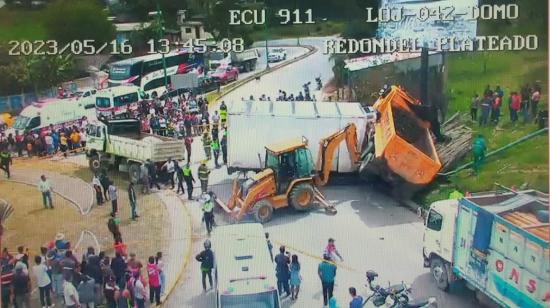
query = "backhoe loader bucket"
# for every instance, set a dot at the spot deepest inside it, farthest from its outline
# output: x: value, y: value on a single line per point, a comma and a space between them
x: 329, y: 208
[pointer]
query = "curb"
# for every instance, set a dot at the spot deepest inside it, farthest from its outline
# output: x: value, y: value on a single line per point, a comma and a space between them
x: 234, y: 86
x: 71, y: 200
x: 187, y: 255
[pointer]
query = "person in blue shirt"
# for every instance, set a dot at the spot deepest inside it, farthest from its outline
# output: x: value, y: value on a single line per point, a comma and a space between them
x: 356, y: 300
x: 327, y: 273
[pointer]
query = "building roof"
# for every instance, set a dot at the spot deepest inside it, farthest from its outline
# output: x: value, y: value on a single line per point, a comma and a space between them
x: 131, y: 26
x: 287, y: 146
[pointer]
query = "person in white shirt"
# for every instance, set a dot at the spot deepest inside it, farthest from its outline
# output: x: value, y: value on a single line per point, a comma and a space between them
x: 70, y: 293
x: 45, y: 188
x: 43, y: 282
x: 83, y: 138
x: 49, y: 143
x: 170, y: 167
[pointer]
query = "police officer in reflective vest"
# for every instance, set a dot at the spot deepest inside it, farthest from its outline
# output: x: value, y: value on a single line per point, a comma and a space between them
x: 223, y: 113
x: 216, y: 149
x: 5, y: 161
x: 189, y: 180
x: 203, y: 176
x: 208, y: 212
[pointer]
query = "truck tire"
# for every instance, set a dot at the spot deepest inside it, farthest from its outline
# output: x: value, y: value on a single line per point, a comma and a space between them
x: 253, y: 66
x: 263, y: 211
x: 246, y: 67
x: 133, y: 172
x: 301, y: 197
x: 95, y: 163
x: 438, y: 269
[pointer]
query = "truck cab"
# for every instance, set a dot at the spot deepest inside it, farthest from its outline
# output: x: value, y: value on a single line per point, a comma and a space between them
x: 439, y: 229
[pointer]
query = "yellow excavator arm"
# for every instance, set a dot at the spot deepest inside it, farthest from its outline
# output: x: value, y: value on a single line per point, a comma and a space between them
x: 327, y: 148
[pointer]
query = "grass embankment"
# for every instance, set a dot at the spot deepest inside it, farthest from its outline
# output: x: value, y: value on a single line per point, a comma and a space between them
x: 526, y: 163
x: 21, y: 24
x: 32, y: 225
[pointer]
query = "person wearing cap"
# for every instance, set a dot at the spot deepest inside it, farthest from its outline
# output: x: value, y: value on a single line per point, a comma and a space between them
x: 208, y: 212
x: 204, y: 173
x: 189, y: 180
x: 327, y: 273
x: 206, y: 258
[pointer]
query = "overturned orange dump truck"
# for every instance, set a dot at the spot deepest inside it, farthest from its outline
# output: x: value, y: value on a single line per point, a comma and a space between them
x: 400, y: 148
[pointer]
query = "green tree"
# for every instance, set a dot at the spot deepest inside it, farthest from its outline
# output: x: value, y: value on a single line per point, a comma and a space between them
x: 67, y: 20
x: 41, y: 71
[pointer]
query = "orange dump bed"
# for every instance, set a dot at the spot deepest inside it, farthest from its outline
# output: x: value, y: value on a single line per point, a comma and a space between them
x: 403, y: 140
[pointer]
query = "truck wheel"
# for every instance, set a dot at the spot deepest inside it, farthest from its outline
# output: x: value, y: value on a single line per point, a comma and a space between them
x: 439, y: 273
x: 253, y: 66
x: 133, y: 173
x: 301, y: 197
x: 94, y: 163
x: 263, y: 211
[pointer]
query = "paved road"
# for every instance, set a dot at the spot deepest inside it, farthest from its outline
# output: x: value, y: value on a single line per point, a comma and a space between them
x: 371, y: 231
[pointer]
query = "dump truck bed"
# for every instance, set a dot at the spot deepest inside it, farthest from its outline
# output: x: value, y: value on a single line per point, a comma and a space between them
x: 403, y: 141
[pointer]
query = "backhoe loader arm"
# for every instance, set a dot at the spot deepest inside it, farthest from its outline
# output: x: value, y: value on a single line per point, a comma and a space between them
x: 327, y: 148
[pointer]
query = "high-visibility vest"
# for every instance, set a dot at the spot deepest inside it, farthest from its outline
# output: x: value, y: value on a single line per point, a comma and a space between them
x: 186, y: 171
x: 208, y: 207
x: 215, y: 145
x: 223, y: 114
x: 203, y: 173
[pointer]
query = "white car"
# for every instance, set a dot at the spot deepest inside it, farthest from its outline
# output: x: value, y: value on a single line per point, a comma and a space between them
x: 276, y: 55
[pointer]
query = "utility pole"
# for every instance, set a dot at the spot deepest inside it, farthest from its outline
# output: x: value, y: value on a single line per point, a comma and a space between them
x: 160, y: 33
x: 266, y: 39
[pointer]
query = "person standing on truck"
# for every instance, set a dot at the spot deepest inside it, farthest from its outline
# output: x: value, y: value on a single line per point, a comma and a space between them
x: 189, y: 180
x: 223, y: 113
x: 224, y: 147
x: 206, y: 258
x: 113, y: 196
x: 216, y: 149
x: 188, y: 141
x: 170, y: 167
x: 479, y: 148
x: 206, y: 141
x: 133, y: 200
x: 204, y: 173
x: 5, y: 161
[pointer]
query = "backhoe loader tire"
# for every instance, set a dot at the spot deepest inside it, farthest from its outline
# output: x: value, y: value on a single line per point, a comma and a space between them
x: 263, y: 211
x: 134, y: 172
x: 95, y: 163
x: 301, y: 197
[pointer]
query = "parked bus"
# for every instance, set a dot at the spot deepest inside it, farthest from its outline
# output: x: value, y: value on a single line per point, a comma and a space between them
x: 116, y: 100
x: 147, y: 71
x: 245, y: 275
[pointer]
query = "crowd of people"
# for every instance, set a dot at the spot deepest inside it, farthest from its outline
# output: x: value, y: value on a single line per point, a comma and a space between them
x: 69, y: 281
x: 523, y: 103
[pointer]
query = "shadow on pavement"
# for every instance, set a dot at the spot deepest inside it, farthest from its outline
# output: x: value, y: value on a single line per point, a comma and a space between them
x: 423, y: 287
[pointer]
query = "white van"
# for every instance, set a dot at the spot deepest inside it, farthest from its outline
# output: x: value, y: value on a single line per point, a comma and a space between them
x: 245, y: 275
x: 39, y: 117
x: 117, y: 100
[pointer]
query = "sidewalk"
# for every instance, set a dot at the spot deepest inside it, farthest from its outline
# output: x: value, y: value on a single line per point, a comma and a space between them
x: 177, y: 254
x: 78, y: 192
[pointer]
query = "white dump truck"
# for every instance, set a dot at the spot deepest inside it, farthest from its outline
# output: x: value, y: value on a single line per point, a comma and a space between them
x: 121, y: 143
x: 245, y: 61
x: 497, y: 242
x: 260, y: 123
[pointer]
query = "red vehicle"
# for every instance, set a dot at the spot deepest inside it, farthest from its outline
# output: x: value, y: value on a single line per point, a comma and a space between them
x: 225, y: 74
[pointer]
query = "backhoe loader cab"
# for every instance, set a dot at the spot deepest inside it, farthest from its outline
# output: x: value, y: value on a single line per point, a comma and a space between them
x: 289, y: 160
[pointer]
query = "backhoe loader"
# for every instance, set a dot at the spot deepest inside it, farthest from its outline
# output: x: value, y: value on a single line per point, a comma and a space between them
x: 289, y: 177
